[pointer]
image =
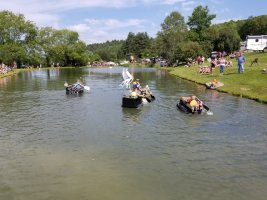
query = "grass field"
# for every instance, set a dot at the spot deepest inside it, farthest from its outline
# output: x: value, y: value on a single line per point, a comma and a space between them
x: 252, y: 84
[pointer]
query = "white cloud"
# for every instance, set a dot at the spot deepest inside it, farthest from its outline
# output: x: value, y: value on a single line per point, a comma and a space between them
x: 94, y: 30
x: 109, y: 24
x: 219, y: 21
x: 217, y: 2
x: 37, y: 6
x: 171, y: 2
x: 188, y: 5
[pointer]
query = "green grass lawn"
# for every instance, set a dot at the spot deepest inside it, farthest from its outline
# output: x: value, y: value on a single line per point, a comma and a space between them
x: 252, y: 84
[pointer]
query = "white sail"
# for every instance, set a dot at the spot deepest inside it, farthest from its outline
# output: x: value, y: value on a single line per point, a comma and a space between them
x: 127, y: 78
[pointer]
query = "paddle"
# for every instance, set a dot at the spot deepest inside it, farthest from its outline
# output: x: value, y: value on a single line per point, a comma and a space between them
x: 206, y: 107
x: 148, y: 99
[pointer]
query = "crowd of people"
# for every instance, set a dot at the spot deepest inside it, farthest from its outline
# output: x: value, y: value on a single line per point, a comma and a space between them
x: 220, y: 60
x: 7, y: 68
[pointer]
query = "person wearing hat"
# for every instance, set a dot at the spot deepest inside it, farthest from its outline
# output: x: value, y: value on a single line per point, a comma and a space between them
x: 136, y: 85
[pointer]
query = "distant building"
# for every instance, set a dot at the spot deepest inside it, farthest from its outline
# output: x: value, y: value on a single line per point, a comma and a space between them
x: 256, y: 42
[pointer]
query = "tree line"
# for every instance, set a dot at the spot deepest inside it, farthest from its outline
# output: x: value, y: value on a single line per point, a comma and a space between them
x: 179, y: 40
x: 26, y: 44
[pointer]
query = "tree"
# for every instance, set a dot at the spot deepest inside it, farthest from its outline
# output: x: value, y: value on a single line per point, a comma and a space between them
x: 172, y: 33
x: 109, y: 51
x: 174, y: 23
x: 254, y: 26
x: 16, y: 36
x: 228, y: 39
x: 135, y: 45
x: 188, y: 50
x: 200, y: 20
x: 61, y: 46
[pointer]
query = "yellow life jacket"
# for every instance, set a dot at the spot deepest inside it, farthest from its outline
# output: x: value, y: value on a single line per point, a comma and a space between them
x: 193, y: 103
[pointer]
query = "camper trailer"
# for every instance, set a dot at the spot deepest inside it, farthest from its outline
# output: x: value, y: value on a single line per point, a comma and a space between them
x: 257, y: 42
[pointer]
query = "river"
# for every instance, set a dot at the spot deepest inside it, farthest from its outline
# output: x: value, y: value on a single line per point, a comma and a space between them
x: 87, y: 147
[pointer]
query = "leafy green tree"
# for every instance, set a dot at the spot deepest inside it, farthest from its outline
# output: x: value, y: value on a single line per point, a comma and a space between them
x: 16, y: 35
x: 228, y: 38
x: 173, y: 31
x: 12, y: 52
x: 199, y: 21
x: 136, y: 45
x: 188, y: 50
x: 112, y: 49
x: 61, y: 46
x: 129, y: 47
x: 254, y: 26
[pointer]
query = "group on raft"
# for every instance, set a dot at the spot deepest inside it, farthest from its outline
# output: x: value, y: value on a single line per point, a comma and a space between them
x: 75, y: 88
x: 194, y: 103
x: 137, y: 91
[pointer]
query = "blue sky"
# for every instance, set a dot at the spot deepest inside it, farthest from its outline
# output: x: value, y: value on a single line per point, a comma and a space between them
x: 97, y: 21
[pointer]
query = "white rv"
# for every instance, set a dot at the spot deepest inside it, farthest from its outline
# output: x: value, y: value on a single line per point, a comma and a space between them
x: 257, y: 42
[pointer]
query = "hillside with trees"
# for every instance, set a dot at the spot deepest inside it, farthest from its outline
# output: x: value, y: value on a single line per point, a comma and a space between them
x: 179, y: 40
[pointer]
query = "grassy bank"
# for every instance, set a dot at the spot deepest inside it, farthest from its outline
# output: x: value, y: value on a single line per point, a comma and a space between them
x: 252, y: 84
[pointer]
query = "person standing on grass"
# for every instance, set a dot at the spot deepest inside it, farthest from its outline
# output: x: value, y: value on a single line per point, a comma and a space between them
x: 240, y: 63
x: 222, y: 65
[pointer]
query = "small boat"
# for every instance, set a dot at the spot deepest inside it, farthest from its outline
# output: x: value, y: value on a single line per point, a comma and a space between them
x: 214, y: 84
x: 76, y: 88
x: 137, y: 96
x: 72, y: 89
x: 131, y: 102
x: 136, y: 101
x: 184, y: 105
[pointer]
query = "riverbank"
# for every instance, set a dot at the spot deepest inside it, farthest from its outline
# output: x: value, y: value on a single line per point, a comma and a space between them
x: 16, y: 71
x: 251, y: 84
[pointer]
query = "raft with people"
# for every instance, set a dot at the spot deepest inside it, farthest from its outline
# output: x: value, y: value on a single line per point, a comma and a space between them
x: 214, y: 84
x: 192, y: 105
x: 136, y: 96
x: 136, y: 99
x: 76, y: 88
